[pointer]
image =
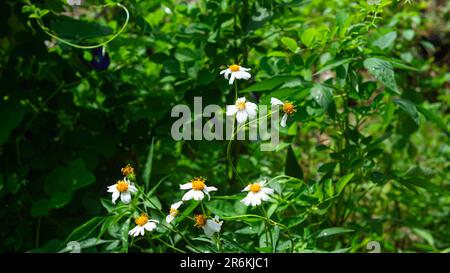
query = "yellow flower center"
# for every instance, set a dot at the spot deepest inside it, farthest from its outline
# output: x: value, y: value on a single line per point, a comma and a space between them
x: 198, y: 183
x: 289, y: 108
x: 122, y: 186
x: 255, y: 187
x: 141, y: 220
x: 234, y: 67
x: 127, y: 170
x: 200, y: 220
x: 240, y: 104
x: 173, y: 211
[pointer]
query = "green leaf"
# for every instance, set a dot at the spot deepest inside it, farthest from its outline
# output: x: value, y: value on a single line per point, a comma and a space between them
x: 343, y: 181
x: 68, y: 27
x: 429, y: 115
x: 308, y: 36
x: 67, y: 179
x: 329, y: 189
x: 269, y: 84
x: 333, y: 65
x: 9, y: 121
x: 409, y: 107
x: 85, y: 230
x: 425, y: 234
x: 148, y: 165
x: 333, y: 231
x: 40, y: 208
x: 323, y: 96
x: 290, y: 43
x: 292, y: 168
x: 382, y: 70
x: 386, y: 40
x: 185, y: 54
x: 408, y: 34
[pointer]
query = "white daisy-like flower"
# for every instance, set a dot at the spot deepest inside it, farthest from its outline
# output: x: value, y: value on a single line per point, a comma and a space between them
x: 122, y: 188
x: 74, y: 2
x: 243, y: 110
x: 142, y: 223
x: 197, y: 188
x: 173, y: 211
x: 209, y: 226
x: 288, y: 109
x: 257, y: 192
x: 237, y: 72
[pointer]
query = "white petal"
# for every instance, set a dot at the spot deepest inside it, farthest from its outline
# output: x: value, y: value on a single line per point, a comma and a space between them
x: 132, y: 188
x: 208, y: 189
x: 186, y: 186
x: 227, y: 74
x: 262, y: 182
x: 223, y: 71
x: 115, y: 195
x: 112, y: 188
x: 232, y: 78
x: 198, y: 195
x: 131, y: 232
x: 256, y: 200
x: 283, y: 120
x: 142, y: 230
x: 125, y: 197
x: 275, y: 101
x: 241, y: 116
x: 263, y: 196
x: 251, y: 113
x: 245, y: 75
x: 231, y: 110
x: 247, y: 188
x: 251, y: 106
x: 150, y: 226
x: 241, y: 100
x: 267, y: 190
x: 188, y: 196
x: 176, y: 205
x: 169, y: 218
x: 247, y: 200
x: 245, y: 69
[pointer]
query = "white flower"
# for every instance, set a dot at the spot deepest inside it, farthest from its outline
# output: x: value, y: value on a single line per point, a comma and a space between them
x: 122, y: 188
x: 242, y: 109
x: 237, y: 72
x: 173, y: 211
x: 197, y: 188
x: 74, y: 2
x: 142, y: 224
x: 209, y: 226
x: 256, y: 193
x: 288, y: 109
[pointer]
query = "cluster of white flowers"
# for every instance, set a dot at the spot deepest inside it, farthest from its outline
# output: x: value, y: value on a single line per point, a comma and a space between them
x: 247, y: 110
x: 196, y: 188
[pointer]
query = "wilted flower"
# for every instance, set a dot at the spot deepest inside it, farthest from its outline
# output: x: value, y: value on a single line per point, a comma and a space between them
x: 173, y: 211
x: 288, y: 109
x: 122, y: 188
x: 197, y: 188
x: 209, y: 226
x: 237, y: 72
x: 142, y: 223
x: 256, y: 193
x: 242, y: 109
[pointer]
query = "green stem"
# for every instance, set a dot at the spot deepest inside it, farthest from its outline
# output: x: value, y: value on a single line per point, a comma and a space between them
x: 171, y: 246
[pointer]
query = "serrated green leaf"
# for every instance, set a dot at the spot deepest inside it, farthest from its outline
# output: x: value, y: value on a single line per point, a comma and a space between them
x: 343, y: 181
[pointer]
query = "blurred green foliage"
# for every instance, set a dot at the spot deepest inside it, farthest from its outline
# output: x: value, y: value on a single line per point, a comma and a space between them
x: 366, y: 154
